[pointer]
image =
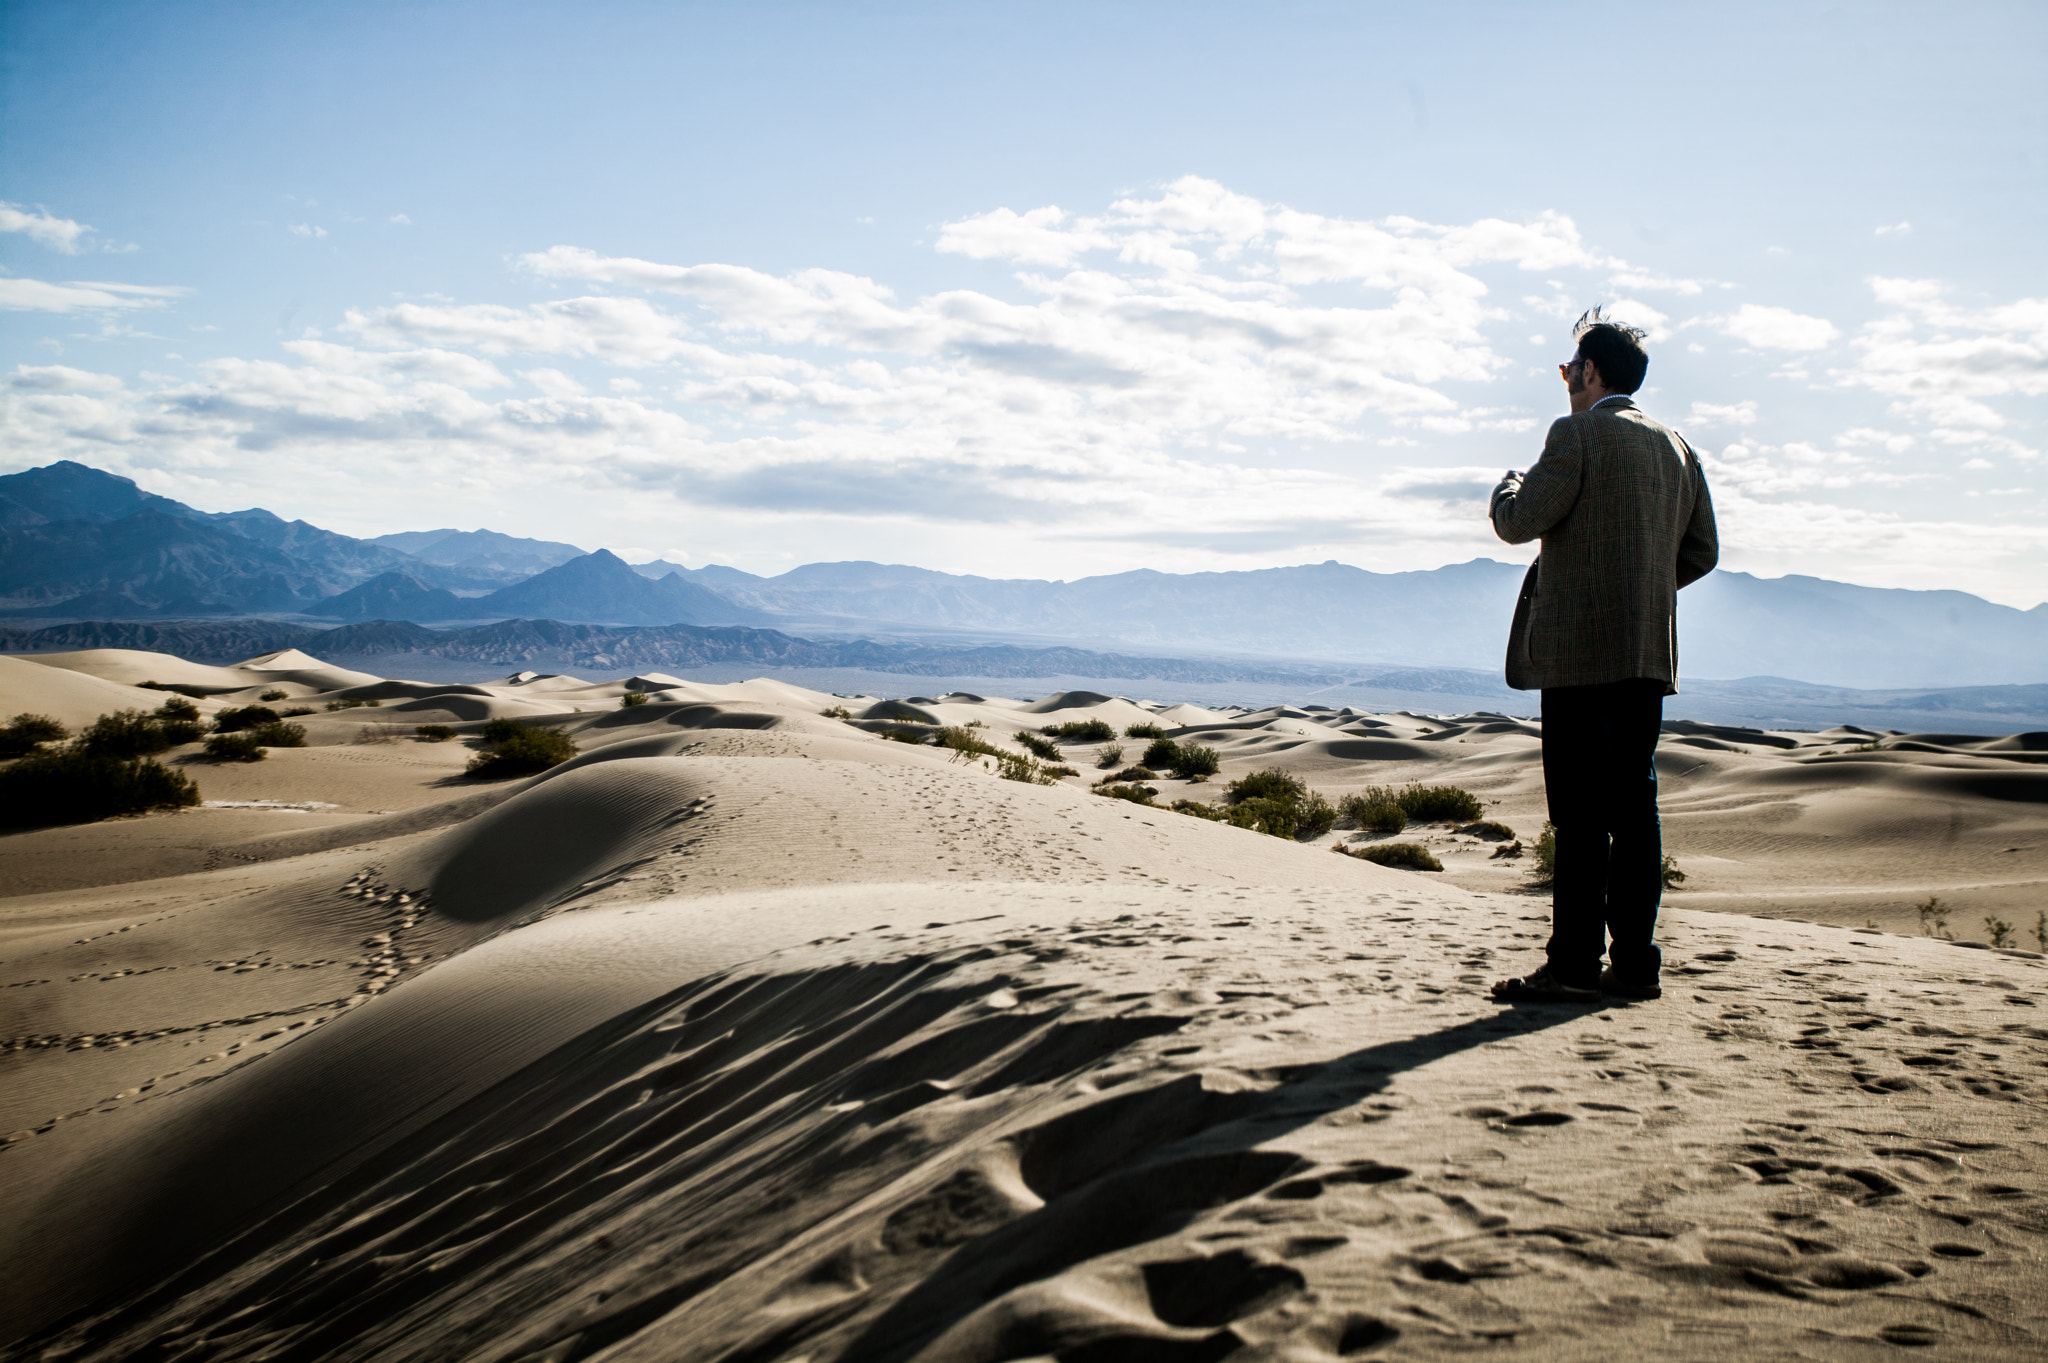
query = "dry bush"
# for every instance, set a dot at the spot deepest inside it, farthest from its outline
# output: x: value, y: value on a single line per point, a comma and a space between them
x: 73, y: 785
x: 241, y: 747
x: 1081, y: 731
x: 1038, y: 747
x: 1262, y: 814
x: 25, y: 732
x: 526, y: 749
x: 1407, y: 856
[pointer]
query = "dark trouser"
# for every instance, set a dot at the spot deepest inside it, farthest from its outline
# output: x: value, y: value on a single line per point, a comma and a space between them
x: 1600, y: 774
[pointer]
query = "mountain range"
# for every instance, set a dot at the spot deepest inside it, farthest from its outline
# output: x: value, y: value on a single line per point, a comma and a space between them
x: 77, y: 543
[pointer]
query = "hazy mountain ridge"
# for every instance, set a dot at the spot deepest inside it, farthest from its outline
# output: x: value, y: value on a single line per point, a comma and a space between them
x: 482, y: 552
x: 77, y: 542
x: 1730, y: 624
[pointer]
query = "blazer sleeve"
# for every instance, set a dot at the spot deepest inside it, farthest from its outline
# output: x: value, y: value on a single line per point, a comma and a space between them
x: 1549, y: 491
x: 1700, y: 549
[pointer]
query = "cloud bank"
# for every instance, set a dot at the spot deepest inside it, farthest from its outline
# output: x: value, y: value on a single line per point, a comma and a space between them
x: 1193, y: 370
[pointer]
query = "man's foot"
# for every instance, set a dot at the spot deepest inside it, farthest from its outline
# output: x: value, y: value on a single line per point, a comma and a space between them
x: 1623, y: 987
x: 1542, y: 987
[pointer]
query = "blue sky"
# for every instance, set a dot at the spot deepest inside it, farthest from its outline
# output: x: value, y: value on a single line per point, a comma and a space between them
x: 1033, y: 289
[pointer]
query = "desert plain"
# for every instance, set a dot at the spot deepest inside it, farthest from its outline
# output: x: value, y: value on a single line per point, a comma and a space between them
x: 751, y: 1033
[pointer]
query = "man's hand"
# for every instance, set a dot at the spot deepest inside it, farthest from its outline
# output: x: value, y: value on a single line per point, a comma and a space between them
x: 1510, y: 484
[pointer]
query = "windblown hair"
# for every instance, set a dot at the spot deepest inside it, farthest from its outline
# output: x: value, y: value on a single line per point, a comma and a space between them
x: 1615, y: 350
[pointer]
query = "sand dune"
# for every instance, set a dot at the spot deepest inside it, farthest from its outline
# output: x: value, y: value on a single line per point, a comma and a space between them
x: 750, y: 1034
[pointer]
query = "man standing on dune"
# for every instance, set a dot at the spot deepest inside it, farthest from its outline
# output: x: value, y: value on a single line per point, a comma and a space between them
x: 1622, y: 509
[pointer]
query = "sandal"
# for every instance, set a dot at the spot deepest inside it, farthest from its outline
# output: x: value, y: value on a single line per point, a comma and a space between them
x: 1542, y: 987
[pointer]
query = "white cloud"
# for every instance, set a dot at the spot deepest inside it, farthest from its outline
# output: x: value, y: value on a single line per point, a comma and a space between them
x: 1975, y: 464
x: 57, y: 378
x: 554, y: 383
x: 401, y: 219
x: 1949, y: 365
x: 59, y: 234
x: 300, y: 229
x: 1194, y: 371
x: 36, y: 295
x: 1717, y: 414
x: 1897, y: 229
x: 1644, y: 279
x: 1768, y: 328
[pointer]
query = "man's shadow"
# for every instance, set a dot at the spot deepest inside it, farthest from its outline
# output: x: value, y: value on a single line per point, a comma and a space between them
x: 1183, y: 1156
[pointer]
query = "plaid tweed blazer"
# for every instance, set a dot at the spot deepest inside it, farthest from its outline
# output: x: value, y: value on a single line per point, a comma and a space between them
x: 1622, y: 508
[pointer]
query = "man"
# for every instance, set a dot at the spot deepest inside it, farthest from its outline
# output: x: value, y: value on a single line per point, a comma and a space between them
x: 1621, y: 506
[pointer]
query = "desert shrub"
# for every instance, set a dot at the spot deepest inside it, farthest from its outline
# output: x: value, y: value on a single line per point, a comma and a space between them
x: 498, y: 730
x: 1933, y: 917
x: 1546, y: 854
x: 1198, y: 810
x: 1060, y: 769
x: 1040, y: 747
x: 124, y: 733
x: 1408, y: 856
x: 1279, y: 818
x: 1673, y: 877
x: 180, y: 731
x: 1082, y: 731
x: 73, y: 785
x: 238, y: 747
x: 274, y: 694
x: 836, y: 712
x: 1195, y: 762
x: 1144, y: 731
x: 1487, y: 830
x: 172, y: 686
x: 963, y: 740
x: 526, y: 749
x: 1997, y: 930
x: 294, y: 711
x: 178, y: 707
x: 1012, y: 767
x: 902, y: 735
x: 1161, y: 752
x: 1135, y: 773
x: 1270, y: 784
x: 25, y: 731
x: 1111, y: 754
x: 1317, y: 816
x: 248, y: 717
x: 1428, y: 804
x: 278, y: 734
x: 434, y: 733
x: 1373, y: 809
x: 353, y: 704
x: 1137, y: 795
x: 632, y: 698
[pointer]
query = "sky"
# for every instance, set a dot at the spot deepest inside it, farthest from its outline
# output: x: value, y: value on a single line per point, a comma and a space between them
x: 1033, y: 289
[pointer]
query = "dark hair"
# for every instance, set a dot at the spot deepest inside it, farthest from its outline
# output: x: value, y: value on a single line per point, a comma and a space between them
x: 1615, y: 350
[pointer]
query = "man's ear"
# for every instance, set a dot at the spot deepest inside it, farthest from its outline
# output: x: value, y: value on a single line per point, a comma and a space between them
x: 1590, y: 376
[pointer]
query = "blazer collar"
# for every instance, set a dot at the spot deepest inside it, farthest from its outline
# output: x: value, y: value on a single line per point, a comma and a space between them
x: 1619, y: 400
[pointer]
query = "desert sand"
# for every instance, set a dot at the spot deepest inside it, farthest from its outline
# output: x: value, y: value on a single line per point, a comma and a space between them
x: 750, y: 1034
